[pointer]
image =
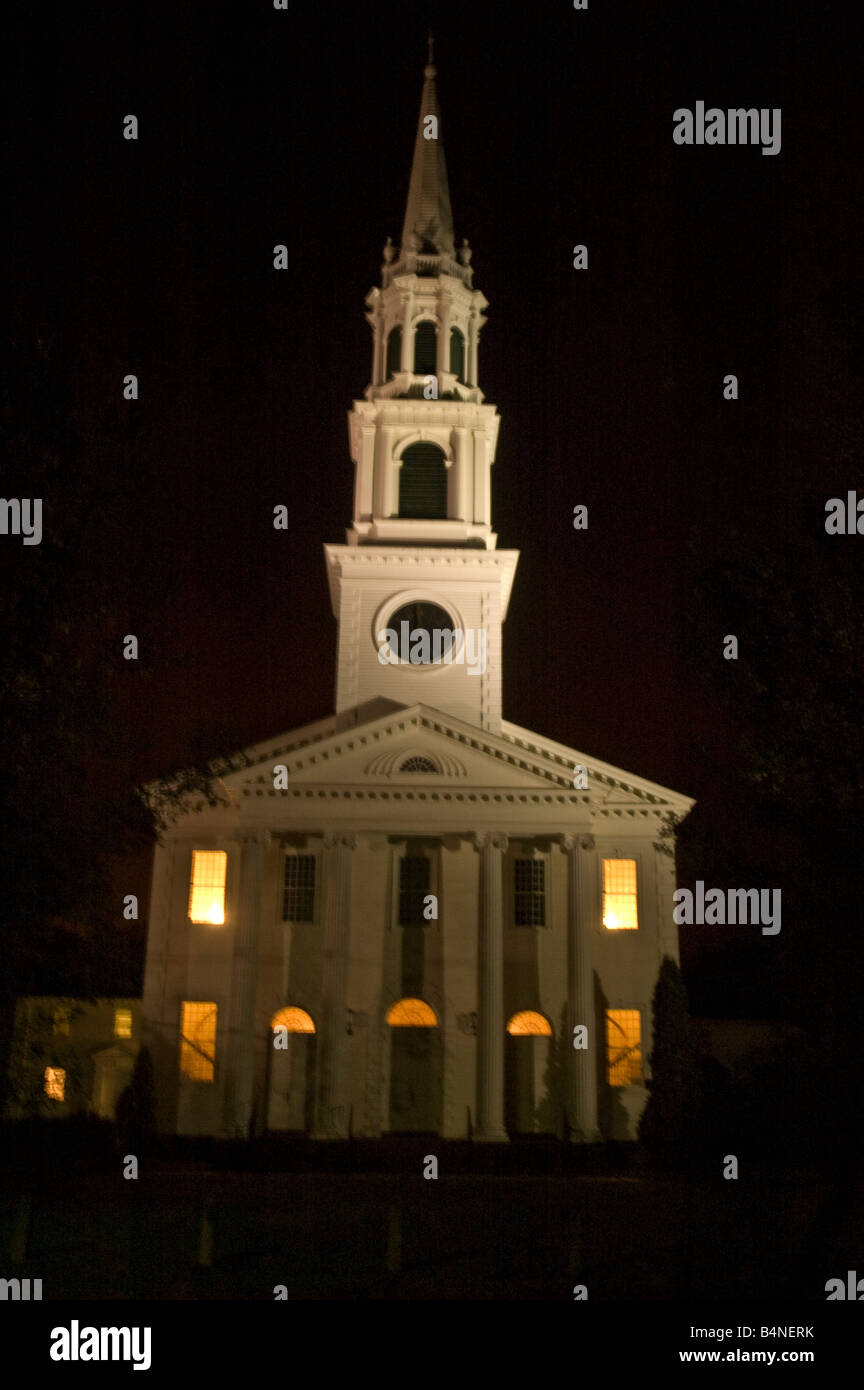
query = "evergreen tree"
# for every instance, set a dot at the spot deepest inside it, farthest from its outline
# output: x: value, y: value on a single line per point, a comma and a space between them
x: 666, y: 1127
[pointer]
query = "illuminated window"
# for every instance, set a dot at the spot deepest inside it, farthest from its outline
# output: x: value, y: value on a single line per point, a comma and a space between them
x: 298, y: 893
x: 529, y: 877
x: 624, y: 1047
x: 55, y: 1083
x: 62, y: 1018
x: 293, y: 1020
x: 411, y: 1013
x: 122, y: 1023
x: 527, y: 1024
x: 413, y: 890
x: 619, y: 894
x: 198, y: 1041
x: 207, y: 889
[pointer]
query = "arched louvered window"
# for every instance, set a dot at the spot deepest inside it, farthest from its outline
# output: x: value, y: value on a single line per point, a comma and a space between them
x: 457, y: 354
x: 394, y: 352
x: 423, y: 482
x: 425, y: 349
x: 418, y: 764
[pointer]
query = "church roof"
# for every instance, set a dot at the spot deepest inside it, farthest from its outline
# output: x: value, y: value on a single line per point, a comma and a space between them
x: 379, y: 744
x: 427, y: 214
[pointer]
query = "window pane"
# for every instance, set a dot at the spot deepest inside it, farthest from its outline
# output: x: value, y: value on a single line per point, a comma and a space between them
x: 457, y: 354
x: 423, y: 482
x: 624, y: 1047
x: 619, y: 895
x: 413, y: 888
x: 394, y: 351
x: 55, y: 1083
x: 530, y: 898
x: 207, y: 889
x: 425, y: 348
x: 198, y: 1040
x: 298, y: 899
x: 122, y: 1023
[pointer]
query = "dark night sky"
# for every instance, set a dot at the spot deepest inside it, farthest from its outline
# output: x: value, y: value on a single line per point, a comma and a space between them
x: 260, y: 127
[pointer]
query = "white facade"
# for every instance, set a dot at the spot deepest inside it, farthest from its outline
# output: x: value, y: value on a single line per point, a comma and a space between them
x: 414, y: 846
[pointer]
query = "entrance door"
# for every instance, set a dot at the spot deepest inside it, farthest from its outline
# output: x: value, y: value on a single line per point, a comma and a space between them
x: 291, y: 1089
x: 415, y: 1069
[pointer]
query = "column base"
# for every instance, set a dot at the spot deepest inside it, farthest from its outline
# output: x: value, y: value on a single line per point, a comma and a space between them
x: 495, y: 1136
x: 589, y: 1137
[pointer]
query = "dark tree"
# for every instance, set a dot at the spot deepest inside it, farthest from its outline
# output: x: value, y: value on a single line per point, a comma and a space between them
x: 668, y: 1120
x: 136, y: 1107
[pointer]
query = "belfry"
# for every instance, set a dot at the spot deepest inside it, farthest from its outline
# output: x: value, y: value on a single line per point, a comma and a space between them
x: 412, y: 916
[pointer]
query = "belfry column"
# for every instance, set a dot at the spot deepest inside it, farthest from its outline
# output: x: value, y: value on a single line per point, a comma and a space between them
x: 582, y: 1066
x: 332, y: 1109
x: 490, y: 1023
x: 239, y: 1083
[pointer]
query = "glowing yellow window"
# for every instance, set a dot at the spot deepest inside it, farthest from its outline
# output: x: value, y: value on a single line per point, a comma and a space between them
x: 55, y: 1083
x: 122, y: 1023
x: 624, y: 1047
x: 293, y: 1020
x: 207, y: 889
x: 529, y: 1023
x: 619, y: 895
x: 411, y: 1013
x: 198, y: 1041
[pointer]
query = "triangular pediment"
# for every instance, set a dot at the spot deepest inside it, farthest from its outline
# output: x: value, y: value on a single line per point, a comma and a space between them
x: 420, y: 746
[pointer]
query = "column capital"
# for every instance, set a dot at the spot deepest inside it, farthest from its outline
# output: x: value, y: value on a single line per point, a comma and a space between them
x: 255, y: 837
x: 495, y: 839
x: 332, y: 840
x: 571, y: 842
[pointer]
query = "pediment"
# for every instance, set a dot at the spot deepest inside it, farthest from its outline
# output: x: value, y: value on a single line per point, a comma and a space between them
x: 392, y: 748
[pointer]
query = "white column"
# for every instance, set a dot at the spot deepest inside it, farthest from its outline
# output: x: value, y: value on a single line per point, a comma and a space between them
x: 442, y: 359
x: 332, y: 1106
x: 582, y: 1068
x: 459, y: 504
x: 471, y: 348
x: 407, y: 336
x: 240, y: 1071
x: 490, y: 1020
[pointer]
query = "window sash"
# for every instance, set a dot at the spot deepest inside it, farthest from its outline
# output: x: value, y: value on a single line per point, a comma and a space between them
x: 298, y: 888
x: 414, y: 875
x: 529, y: 892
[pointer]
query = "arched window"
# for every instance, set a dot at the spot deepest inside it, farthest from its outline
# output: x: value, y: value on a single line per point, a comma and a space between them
x: 411, y: 1013
x: 293, y: 1020
x: 418, y: 764
x: 457, y: 354
x: 529, y: 1024
x: 423, y: 482
x: 425, y: 348
x: 394, y: 352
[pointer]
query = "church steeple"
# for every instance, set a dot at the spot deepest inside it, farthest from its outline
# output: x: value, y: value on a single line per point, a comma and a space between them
x: 421, y: 549
x: 428, y: 224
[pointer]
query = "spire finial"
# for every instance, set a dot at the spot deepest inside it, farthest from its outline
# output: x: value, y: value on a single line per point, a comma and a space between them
x: 430, y: 56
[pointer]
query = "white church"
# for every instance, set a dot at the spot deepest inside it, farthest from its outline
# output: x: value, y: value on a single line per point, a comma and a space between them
x: 413, y: 916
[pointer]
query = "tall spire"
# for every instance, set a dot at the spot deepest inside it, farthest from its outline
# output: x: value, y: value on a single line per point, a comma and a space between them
x: 427, y: 215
